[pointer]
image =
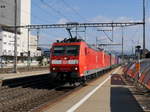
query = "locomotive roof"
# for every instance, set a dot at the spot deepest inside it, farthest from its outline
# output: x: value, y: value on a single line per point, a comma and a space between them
x: 92, y: 46
x: 69, y: 40
x: 76, y: 40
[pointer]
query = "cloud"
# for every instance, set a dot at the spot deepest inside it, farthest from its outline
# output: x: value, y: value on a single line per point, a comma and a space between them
x: 124, y: 19
x: 100, y: 19
x: 59, y: 38
x: 62, y: 21
x: 108, y: 19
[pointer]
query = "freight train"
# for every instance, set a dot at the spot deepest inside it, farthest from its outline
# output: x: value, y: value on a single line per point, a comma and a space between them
x: 74, y: 60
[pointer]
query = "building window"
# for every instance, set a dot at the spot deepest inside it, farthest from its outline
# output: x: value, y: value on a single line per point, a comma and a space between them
x: 5, y: 35
x: 2, y: 6
x: 5, y: 42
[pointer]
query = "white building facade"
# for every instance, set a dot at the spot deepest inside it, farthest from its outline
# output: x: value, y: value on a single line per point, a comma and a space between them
x: 34, y: 46
x: 7, y: 37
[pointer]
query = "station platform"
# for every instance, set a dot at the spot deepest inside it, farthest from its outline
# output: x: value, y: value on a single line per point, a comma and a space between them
x: 7, y: 76
x: 109, y: 93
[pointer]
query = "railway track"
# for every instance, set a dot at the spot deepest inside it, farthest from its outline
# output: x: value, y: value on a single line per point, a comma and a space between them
x: 32, y: 93
x: 23, y: 69
x: 25, y: 94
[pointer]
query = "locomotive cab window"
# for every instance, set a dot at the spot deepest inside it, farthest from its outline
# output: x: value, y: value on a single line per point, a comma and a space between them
x: 58, y: 50
x: 72, y: 50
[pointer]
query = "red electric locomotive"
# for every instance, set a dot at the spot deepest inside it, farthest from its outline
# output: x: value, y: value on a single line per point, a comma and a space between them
x: 74, y: 59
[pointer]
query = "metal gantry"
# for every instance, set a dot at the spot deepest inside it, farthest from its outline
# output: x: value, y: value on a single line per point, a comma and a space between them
x: 144, y: 27
x: 72, y: 25
x: 104, y: 31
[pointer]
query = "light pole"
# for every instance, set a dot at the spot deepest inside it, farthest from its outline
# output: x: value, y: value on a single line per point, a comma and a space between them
x: 28, y: 63
x: 1, y: 52
x: 143, y: 28
x: 112, y: 32
x: 122, y: 45
x: 15, y: 37
x: 85, y: 34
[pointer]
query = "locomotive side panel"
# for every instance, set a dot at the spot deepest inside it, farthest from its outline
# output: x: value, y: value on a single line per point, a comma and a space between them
x: 100, y: 59
x: 82, y: 60
x: 94, y: 60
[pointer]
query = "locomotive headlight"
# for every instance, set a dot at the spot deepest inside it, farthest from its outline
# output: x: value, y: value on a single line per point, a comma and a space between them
x: 53, y: 68
x: 76, y: 68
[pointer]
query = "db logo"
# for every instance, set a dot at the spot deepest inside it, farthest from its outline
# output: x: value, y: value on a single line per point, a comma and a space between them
x: 64, y: 62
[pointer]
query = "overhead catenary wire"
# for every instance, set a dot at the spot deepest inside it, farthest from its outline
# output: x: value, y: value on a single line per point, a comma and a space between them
x: 67, y: 6
x: 55, y: 10
x: 77, y: 13
x: 47, y: 12
x: 74, y: 10
x: 35, y: 16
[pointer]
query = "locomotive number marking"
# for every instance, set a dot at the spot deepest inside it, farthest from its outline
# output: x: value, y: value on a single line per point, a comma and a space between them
x: 64, y: 62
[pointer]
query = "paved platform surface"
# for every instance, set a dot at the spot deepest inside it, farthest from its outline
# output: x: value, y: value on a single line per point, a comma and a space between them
x: 22, y: 74
x: 106, y: 94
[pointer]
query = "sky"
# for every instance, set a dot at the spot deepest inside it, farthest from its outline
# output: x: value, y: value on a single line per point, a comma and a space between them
x: 62, y: 11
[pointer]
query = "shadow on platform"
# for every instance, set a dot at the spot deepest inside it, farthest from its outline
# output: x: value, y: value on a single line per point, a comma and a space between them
x: 121, y: 98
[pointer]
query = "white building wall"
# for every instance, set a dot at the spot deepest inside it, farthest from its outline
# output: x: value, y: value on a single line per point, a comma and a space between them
x: 1, y: 47
x: 25, y: 20
x: 33, y: 46
x: 7, y: 38
x: 7, y: 43
x: 33, y: 43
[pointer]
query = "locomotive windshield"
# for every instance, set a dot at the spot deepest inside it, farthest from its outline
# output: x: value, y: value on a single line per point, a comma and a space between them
x: 59, y: 50
x: 71, y: 50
